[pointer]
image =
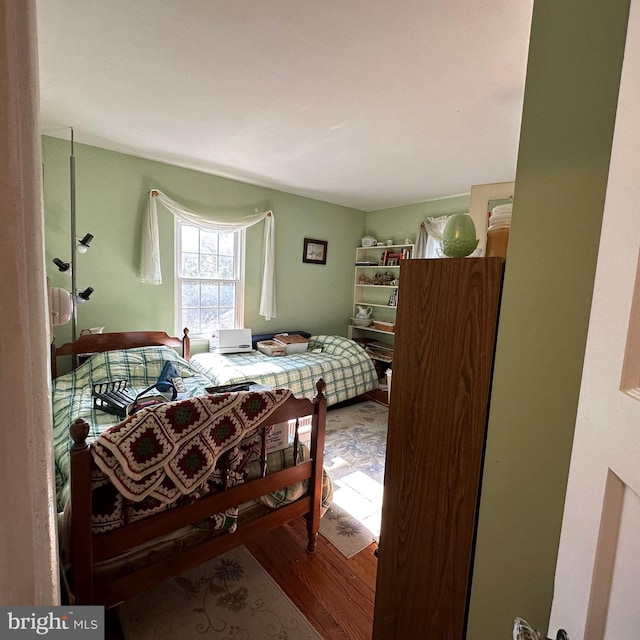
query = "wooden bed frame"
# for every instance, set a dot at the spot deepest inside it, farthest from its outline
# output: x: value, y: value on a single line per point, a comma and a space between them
x: 87, y: 549
x: 101, y: 342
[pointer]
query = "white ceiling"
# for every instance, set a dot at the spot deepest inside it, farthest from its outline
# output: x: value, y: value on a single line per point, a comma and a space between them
x: 365, y: 103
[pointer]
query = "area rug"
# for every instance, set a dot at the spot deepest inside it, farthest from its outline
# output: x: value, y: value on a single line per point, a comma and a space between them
x: 230, y: 597
x: 354, y: 457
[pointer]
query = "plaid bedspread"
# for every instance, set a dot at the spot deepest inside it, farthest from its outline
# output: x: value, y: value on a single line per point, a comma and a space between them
x: 71, y: 399
x: 340, y: 362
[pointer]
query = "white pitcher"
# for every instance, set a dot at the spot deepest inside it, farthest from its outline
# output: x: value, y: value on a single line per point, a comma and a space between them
x: 364, y: 312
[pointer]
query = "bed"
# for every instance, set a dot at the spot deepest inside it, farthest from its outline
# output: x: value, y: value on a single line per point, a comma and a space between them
x: 342, y: 363
x: 143, y: 498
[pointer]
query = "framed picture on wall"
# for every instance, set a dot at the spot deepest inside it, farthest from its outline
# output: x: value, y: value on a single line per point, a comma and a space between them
x: 314, y: 251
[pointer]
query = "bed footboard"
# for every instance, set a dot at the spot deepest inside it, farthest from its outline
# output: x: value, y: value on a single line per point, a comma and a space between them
x: 88, y: 550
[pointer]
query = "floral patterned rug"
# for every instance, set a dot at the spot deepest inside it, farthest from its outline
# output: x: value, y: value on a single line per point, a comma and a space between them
x: 229, y: 598
x: 354, y: 457
x: 232, y: 597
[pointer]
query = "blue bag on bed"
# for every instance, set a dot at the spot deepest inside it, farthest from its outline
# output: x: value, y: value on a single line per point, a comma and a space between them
x: 168, y: 380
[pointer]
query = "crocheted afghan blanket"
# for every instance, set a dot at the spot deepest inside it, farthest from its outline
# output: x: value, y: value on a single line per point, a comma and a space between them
x: 170, y: 449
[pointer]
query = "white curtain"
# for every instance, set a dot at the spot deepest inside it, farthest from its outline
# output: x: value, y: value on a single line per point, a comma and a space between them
x: 429, y: 236
x: 150, y: 251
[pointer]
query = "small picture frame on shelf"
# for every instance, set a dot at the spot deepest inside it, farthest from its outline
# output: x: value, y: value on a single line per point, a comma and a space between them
x: 392, y: 262
x: 314, y: 251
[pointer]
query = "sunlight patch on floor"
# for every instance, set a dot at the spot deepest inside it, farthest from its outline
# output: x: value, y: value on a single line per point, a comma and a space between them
x: 360, y: 496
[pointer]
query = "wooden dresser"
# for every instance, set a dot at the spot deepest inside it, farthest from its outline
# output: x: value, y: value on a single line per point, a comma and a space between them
x: 442, y: 368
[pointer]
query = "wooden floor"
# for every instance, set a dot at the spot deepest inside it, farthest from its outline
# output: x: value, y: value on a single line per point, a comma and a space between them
x: 335, y: 594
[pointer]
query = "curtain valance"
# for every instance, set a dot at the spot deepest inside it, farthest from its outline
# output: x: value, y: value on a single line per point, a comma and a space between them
x: 429, y: 236
x: 150, y: 271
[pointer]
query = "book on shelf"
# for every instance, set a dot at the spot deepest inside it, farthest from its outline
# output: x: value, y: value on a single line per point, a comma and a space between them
x: 391, y: 258
x: 384, y: 357
x: 406, y: 253
x: 380, y: 351
x: 381, y: 345
x: 366, y: 263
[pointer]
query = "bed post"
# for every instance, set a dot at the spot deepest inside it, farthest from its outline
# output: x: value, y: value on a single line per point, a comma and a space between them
x: 54, y: 361
x: 80, y: 543
x: 317, y: 452
x: 186, y: 344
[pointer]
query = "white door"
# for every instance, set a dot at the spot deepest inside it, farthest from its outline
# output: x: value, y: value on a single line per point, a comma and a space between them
x: 597, y: 587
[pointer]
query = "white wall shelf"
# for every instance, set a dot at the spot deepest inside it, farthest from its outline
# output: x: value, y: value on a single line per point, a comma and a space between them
x: 377, y: 297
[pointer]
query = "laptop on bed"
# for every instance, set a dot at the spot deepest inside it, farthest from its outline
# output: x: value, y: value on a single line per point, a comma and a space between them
x: 234, y: 341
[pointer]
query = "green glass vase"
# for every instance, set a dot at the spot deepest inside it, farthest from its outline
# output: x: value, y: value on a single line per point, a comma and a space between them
x: 459, y: 236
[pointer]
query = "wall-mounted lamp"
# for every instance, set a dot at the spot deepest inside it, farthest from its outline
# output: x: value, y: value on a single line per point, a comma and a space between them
x: 83, y: 296
x: 83, y: 243
x: 61, y: 264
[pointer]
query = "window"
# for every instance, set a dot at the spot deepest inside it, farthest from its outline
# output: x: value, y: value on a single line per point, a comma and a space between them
x: 210, y: 279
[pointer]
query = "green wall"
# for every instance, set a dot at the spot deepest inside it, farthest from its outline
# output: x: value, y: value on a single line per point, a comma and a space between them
x: 111, y: 196
x: 399, y: 223
x: 571, y: 91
